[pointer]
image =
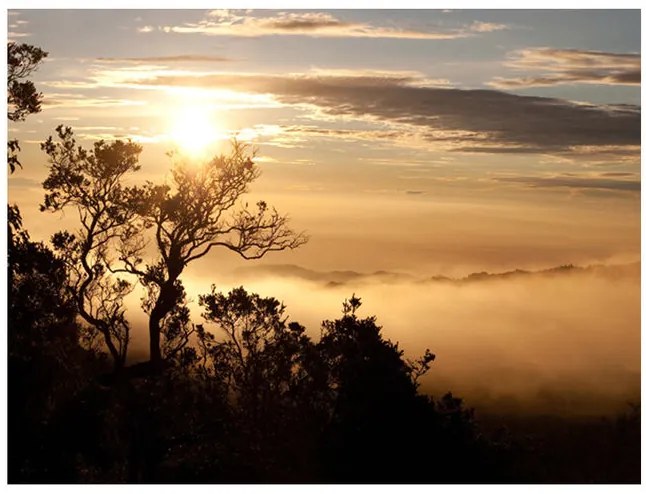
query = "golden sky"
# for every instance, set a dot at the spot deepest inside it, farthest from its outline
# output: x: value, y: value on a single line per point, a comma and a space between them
x: 420, y: 143
x: 442, y: 141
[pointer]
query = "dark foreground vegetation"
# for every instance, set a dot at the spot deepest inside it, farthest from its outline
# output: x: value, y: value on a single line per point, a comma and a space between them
x: 263, y: 403
x: 245, y: 396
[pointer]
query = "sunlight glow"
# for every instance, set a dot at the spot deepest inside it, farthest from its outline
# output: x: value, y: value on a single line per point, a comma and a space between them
x: 194, y: 131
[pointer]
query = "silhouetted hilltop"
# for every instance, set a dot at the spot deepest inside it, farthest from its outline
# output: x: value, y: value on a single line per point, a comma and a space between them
x: 340, y: 278
x: 332, y: 278
x: 607, y: 271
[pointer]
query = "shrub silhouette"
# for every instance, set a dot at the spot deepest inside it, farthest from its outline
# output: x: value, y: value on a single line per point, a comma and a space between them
x: 382, y: 429
x: 270, y: 375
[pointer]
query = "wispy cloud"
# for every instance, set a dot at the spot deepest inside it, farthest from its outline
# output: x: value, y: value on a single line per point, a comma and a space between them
x: 82, y: 101
x: 577, y: 182
x: 322, y: 24
x: 486, y: 27
x: 410, y: 77
x: 136, y: 76
x: 553, y: 66
x: 13, y: 35
x: 618, y: 174
x: 299, y: 135
x: 16, y: 26
x: 167, y: 59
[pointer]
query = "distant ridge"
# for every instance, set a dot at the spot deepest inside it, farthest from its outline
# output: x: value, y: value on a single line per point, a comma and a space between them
x: 340, y: 278
x: 606, y: 270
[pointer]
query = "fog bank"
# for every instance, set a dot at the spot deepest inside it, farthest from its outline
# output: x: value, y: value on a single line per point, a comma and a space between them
x: 562, y: 342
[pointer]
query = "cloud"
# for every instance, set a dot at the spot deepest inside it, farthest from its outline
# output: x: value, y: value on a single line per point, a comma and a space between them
x: 568, y: 66
x: 411, y: 77
x: 565, y: 343
x: 298, y: 132
x: 487, y: 27
x: 168, y: 59
x: 618, y: 174
x: 320, y: 24
x: 16, y: 26
x: 578, y: 182
x: 54, y: 100
x: 465, y: 120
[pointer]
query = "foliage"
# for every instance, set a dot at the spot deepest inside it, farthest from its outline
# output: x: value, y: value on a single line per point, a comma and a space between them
x: 381, y: 429
x: 22, y: 97
x: 46, y: 363
x: 35, y: 280
x: 199, y: 210
x: 343, y: 409
x: 271, y: 376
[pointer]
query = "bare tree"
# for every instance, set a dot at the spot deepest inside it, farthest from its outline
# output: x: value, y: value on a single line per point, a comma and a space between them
x: 91, y: 182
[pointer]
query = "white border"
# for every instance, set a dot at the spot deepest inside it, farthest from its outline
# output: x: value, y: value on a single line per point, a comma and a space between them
x: 288, y: 4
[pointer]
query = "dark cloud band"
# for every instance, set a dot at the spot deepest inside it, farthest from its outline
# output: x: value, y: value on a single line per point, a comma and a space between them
x: 471, y: 120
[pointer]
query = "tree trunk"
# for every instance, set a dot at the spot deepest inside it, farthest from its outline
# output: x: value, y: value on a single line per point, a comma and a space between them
x: 154, y: 330
x: 166, y: 301
x: 164, y: 304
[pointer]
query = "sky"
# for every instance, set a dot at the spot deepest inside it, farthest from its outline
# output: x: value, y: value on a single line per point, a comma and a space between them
x: 418, y: 143
x: 374, y: 129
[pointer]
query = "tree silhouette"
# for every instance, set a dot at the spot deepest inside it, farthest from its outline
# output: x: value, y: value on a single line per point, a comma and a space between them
x: 381, y: 428
x: 269, y: 373
x: 199, y: 210
x: 91, y: 182
x: 375, y: 401
x: 22, y: 97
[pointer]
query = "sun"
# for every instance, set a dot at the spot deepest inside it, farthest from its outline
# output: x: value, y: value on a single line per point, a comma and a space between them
x: 194, y: 131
